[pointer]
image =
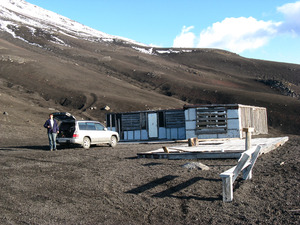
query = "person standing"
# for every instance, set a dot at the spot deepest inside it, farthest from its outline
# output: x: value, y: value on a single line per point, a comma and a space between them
x: 52, y: 131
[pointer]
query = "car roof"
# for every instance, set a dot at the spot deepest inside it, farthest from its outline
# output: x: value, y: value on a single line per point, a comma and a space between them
x: 81, y: 121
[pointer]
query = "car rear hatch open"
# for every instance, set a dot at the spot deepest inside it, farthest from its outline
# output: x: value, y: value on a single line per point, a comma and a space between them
x: 66, y: 127
x: 64, y: 116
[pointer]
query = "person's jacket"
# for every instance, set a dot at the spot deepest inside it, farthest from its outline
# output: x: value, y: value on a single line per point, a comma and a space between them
x: 54, y: 129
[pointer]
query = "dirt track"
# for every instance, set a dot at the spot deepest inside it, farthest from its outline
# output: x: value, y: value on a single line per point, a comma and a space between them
x: 112, y: 186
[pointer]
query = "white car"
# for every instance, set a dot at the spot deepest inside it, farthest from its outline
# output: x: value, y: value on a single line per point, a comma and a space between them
x: 83, y: 132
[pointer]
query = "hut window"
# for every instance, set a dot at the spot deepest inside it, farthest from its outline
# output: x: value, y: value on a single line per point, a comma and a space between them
x: 131, y: 121
x: 143, y: 120
x: 111, y: 120
x: 161, y: 119
x: 212, y: 120
x: 175, y: 119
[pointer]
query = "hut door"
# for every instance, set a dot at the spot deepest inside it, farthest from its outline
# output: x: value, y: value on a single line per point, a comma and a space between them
x: 152, y: 125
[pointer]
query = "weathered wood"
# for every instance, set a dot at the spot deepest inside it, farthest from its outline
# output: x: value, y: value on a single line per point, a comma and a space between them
x: 213, y: 121
x: 251, y: 116
x: 247, y: 172
x: 274, y: 146
x: 166, y: 150
x: 212, y: 149
x: 227, y: 188
x: 202, y: 155
x: 248, y: 132
x: 190, y: 155
x: 179, y: 149
x: 234, y: 171
x: 193, y: 142
x: 245, y: 164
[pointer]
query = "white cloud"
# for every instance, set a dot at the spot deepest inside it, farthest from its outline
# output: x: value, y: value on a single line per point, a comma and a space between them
x: 185, y: 39
x: 291, y: 12
x: 233, y: 34
x: 237, y: 34
x: 241, y: 34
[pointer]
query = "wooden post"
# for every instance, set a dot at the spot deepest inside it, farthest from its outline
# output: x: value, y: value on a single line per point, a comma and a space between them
x: 227, y: 188
x: 248, y: 131
x: 166, y: 150
x: 193, y: 142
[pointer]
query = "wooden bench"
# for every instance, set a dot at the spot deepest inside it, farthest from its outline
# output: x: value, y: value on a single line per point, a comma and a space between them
x: 245, y: 165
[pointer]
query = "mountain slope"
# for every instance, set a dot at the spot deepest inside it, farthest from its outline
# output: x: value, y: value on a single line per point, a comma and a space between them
x: 72, y: 67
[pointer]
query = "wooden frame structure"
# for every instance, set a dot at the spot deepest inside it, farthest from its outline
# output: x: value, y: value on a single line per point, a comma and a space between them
x: 245, y: 165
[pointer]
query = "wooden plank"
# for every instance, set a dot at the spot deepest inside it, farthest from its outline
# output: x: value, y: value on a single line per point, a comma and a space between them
x: 215, y: 130
x: 234, y: 171
x: 179, y: 149
x: 211, y: 122
x: 206, y: 155
x: 273, y: 146
x: 228, y: 172
x: 247, y: 172
x: 211, y: 128
x: 193, y: 142
x: 213, y: 111
x: 190, y: 155
x: 165, y: 149
x: 221, y: 116
x: 245, y: 164
x: 214, y: 148
x: 227, y: 188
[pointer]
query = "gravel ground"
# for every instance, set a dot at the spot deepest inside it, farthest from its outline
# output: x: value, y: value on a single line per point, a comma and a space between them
x: 103, y: 185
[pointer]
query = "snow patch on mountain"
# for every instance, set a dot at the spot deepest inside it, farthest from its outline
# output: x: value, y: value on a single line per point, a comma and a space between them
x: 144, y: 50
x: 15, y: 12
x: 153, y: 51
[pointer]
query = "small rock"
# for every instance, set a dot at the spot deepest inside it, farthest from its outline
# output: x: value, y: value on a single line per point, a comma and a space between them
x: 106, y: 108
x: 5, y: 113
x: 195, y: 165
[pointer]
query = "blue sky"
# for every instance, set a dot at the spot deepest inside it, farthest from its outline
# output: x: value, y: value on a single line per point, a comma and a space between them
x: 260, y: 29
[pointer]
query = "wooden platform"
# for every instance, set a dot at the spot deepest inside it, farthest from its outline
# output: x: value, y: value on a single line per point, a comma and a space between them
x: 214, y: 149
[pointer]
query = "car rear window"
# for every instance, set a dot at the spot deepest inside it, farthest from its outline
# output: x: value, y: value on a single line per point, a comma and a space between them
x: 99, y: 126
x: 82, y: 126
x: 91, y: 126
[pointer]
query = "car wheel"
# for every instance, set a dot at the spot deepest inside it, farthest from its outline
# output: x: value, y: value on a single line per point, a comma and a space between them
x: 86, y: 143
x: 113, y: 141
